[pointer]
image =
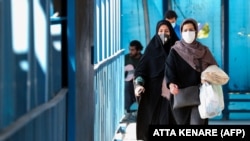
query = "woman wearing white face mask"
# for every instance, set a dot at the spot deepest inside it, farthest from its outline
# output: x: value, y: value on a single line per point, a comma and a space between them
x: 184, y: 64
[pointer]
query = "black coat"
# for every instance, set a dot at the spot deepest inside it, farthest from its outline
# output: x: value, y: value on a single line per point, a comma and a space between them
x: 179, y: 74
x: 185, y: 72
x: 153, y: 108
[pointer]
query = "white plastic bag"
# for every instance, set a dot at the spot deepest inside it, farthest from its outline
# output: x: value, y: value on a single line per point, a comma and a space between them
x: 211, y: 100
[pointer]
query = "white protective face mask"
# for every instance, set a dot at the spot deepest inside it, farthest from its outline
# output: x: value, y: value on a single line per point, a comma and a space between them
x: 164, y: 38
x: 173, y: 24
x: 188, y: 36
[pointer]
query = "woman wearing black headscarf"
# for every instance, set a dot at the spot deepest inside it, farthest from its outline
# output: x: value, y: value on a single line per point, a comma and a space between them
x: 153, y: 105
x: 185, y: 62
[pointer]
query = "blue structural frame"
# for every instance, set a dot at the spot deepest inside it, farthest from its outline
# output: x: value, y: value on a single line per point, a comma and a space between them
x: 32, y: 103
x: 5, y: 47
x: 225, y: 53
x: 39, y: 101
x: 71, y: 98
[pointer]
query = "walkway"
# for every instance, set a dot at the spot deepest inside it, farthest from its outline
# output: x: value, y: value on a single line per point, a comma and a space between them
x: 128, y: 130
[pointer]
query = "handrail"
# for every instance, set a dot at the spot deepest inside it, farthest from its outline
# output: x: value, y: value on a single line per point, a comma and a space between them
x: 110, y: 58
x: 57, y: 20
x: 32, y: 114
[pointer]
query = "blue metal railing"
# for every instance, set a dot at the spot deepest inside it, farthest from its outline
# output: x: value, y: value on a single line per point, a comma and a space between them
x: 45, y: 122
x: 109, y: 96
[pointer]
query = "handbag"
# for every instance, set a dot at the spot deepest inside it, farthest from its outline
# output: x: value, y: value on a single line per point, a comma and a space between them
x: 211, y: 100
x: 188, y: 96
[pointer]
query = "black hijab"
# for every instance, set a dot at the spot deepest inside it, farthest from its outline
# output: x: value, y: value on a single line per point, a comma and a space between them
x: 152, y: 62
x: 173, y: 37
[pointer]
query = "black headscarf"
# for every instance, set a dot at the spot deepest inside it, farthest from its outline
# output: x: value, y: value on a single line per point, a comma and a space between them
x: 173, y: 37
x: 156, y: 49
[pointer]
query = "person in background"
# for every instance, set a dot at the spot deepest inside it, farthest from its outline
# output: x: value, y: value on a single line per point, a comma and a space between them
x: 154, y: 107
x: 185, y: 62
x: 131, y: 61
x: 171, y: 16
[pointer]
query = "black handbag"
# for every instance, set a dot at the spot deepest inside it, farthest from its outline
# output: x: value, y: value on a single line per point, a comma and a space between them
x: 188, y: 96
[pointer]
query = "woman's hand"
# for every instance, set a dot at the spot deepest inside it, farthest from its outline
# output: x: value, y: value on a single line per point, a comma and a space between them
x: 173, y: 88
x: 139, y: 90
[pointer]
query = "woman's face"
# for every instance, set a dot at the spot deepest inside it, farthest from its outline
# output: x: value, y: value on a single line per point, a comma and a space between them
x: 163, y: 30
x: 188, y: 27
x: 188, y: 33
